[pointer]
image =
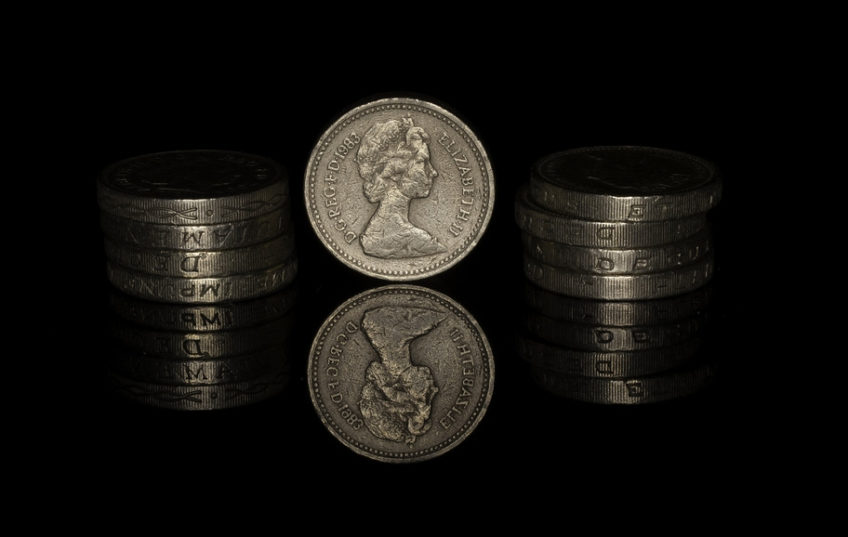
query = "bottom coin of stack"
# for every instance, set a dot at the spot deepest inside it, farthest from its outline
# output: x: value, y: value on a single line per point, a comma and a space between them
x: 616, y: 352
x: 201, y: 357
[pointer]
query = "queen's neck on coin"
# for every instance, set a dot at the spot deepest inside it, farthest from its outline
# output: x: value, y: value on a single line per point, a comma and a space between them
x: 395, y: 357
x: 393, y: 208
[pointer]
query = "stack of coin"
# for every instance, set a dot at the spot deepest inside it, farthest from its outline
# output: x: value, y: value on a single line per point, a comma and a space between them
x: 203, y: 226
x: 618, y: 223
x: 613, y: 236
x: 200, y: 357
x: 616, y: 352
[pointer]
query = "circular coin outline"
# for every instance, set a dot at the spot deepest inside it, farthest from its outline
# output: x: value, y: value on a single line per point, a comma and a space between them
x: 425, y: 107
x: 443, y: 447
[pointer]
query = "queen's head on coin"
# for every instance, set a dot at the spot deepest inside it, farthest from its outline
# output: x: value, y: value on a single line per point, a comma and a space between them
x: 394, y: 164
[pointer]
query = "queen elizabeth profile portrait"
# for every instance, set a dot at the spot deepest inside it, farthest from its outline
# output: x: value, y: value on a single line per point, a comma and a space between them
x: 394, y: 164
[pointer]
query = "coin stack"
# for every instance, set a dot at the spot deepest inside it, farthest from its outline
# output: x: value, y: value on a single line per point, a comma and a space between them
x: 203, y: 356
x: 201, y: 226
x: 201, y: 244
x: 618, y: 250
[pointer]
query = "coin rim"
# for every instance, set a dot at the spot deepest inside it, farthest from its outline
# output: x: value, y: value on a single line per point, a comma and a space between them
x: 558, y: 280
x: 429, y: 108
x: 291, y: 263
x: 434, y: 451
x: 628, y: 235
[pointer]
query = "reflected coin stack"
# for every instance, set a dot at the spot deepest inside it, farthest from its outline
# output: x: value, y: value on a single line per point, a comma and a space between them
x: 201, y: 357
x: 202, y: 226
x: 204, y: 239
x: 617, y: 248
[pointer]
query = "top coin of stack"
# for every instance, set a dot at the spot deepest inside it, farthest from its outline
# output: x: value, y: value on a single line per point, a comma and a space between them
x: 618, y: 222
x: 197, y: 226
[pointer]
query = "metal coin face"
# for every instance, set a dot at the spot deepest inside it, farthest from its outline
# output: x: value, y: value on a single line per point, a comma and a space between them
x: 399, y: 189
x: 400, y: 373
x: 192, y: 187
x: 625, y: 183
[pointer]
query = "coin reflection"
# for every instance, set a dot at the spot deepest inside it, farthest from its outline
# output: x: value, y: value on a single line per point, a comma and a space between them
x: 614, y: 352
x: 200, y: 357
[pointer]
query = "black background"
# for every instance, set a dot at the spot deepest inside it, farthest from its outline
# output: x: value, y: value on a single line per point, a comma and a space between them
x: 278, y: 106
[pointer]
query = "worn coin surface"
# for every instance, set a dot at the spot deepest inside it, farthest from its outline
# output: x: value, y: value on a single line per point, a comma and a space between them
x: 202, y: 290
x: 192, y: 187
x: 400, y: 373
x: 617, y: 313
x: 399, y: 189
x: 619, y: 260
x: 203, y: 317
x: 202, y: 237
x: 201, y: 263
x: 628, y: 391
x: 620, y: 287
x: 551, y: 226
x: 601, y: 364
x: 625, y: 183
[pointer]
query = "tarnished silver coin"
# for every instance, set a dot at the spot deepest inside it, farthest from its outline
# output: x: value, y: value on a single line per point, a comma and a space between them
x: 399, y: 189
x: 619, y: 260
x: 625, y: 184
x: 202, y: 290
x: 545, y: 224
x: 617, y: 313
x: 201, y: 397
x: 206, y: 237
x: 602, y: 364
x: 192, y: 187
x: 202, y: 317
x: 620, y: 287
x: 611, y: 338
x: 201, y: 263
x: 628, y: 391
x: 201, y: 345
x: 400, y: 373
x: 198, y: 371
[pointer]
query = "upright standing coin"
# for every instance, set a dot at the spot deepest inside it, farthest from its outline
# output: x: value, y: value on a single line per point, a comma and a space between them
x: 399, y: 189
x: 192, y: 187
x: 625, y: 184
x: 400, y: 373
